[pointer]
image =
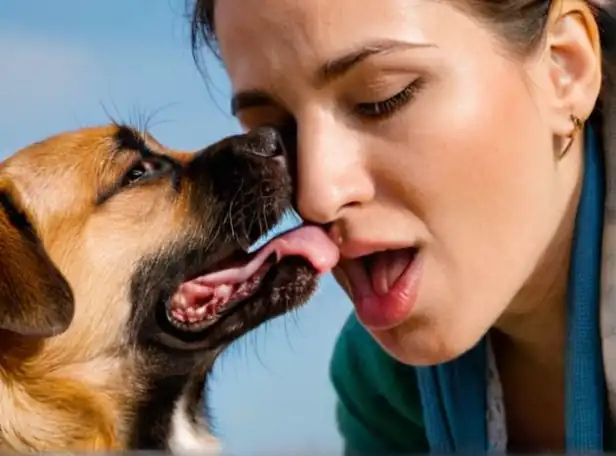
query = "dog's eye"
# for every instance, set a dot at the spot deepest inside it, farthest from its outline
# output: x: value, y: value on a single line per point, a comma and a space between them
x: 145, y: 169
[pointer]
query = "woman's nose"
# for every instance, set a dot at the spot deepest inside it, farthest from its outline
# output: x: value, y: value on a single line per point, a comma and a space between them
x: 331, y: 174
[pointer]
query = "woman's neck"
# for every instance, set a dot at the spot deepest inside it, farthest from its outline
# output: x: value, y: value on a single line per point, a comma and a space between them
x: 534, y: 325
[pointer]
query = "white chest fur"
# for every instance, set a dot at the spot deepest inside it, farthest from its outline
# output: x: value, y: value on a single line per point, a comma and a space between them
x: 187, y: 437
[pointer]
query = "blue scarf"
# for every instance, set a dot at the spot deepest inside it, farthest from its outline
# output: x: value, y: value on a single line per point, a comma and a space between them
x: 454, y: 394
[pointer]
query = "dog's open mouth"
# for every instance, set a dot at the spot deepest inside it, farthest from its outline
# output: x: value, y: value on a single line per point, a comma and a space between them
x: 202, y: 301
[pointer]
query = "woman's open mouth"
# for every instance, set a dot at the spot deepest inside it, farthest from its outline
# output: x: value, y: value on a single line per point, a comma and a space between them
x: 384, y: 286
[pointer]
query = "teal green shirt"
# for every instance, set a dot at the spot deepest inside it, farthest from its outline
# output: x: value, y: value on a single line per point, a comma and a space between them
x: 379, y: 407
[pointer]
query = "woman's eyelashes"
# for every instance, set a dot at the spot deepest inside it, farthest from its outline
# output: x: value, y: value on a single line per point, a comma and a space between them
x: 284, y: 121
x: 389, y: 106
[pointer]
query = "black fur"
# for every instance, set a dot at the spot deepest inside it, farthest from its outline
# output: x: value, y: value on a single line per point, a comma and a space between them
x: 238, y: 190
x: 128, y: 138
x: 153, y: 417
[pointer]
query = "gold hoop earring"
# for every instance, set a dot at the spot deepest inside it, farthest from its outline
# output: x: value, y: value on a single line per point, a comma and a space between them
x: 577, y: 126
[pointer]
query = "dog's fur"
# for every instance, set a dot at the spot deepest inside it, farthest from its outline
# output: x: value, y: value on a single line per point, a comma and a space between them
x: 90, y: 251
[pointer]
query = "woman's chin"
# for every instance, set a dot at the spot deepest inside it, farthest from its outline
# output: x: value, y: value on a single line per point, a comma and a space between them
x: 423, y: 343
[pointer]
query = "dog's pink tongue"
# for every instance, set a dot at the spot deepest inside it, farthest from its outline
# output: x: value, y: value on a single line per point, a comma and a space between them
x: 308, y: 241
x: 203, y: 296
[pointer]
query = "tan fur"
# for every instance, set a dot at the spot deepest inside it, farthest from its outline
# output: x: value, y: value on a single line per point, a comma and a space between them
x: 76, y: 390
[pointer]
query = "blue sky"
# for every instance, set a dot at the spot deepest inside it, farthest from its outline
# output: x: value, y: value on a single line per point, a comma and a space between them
x: 65, y: 65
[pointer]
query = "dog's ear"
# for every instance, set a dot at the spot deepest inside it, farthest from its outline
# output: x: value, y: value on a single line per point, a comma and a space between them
x: 35, y: 298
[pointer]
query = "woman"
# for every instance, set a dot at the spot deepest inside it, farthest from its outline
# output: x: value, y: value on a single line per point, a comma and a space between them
x: 455, y: 151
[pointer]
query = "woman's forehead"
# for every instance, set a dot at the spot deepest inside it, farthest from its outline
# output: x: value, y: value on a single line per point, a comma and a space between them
x: 275, y: 36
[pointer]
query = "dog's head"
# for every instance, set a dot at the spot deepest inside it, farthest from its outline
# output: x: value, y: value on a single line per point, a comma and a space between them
x: 126, y: 251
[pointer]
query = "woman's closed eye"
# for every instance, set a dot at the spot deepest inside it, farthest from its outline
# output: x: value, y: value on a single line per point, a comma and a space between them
x: 389, y: 106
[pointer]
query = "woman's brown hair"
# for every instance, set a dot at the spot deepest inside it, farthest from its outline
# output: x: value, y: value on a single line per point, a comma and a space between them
x: 520, y: 23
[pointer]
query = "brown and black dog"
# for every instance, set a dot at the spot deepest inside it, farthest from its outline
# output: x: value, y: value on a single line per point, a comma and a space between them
x: 123, y: 275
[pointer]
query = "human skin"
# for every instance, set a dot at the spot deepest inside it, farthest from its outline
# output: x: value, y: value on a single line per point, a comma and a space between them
x: 467, y: 168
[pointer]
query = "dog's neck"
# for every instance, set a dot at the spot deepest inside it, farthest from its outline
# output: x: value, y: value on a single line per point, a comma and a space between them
x: 173, y: 417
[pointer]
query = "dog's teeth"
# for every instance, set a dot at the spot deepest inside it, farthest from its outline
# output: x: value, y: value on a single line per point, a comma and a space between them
x: 178, y: 315
x: 224, y: 291
x: 198, y: 308
x: 180, y: 301
x: 201, y: 311
x: 190, y: 312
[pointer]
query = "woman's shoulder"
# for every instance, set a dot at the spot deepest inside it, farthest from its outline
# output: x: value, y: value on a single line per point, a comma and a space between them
x: 379, y: 403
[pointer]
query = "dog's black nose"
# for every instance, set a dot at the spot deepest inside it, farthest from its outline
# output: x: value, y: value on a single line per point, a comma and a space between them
x: 262, y: 142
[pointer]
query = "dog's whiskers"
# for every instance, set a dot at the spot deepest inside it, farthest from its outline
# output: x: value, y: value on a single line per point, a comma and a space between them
x: 229, y: 215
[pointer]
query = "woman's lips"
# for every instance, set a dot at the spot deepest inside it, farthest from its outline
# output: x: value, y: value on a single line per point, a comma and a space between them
x: 385, y: 293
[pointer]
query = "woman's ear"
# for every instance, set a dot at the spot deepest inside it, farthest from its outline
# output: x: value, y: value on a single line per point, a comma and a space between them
x: 573, y: 62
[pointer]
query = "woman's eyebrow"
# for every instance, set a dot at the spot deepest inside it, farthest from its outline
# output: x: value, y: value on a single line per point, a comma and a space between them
x: 330, y: 70
x: 337, y: 67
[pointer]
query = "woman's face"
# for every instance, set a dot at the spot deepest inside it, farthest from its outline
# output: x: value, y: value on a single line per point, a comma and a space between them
x: 424, y: 146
